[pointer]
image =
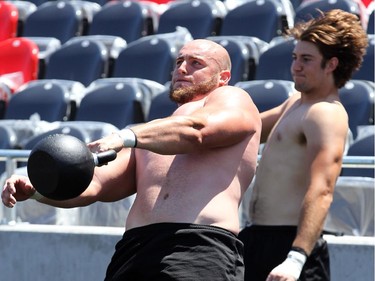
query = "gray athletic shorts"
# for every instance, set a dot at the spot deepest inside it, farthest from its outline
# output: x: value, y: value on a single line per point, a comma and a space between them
x: 177, y: 251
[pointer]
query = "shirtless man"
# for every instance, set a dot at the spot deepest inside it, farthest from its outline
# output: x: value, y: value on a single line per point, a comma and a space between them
x: 189, y: 172
x: 302, y: 157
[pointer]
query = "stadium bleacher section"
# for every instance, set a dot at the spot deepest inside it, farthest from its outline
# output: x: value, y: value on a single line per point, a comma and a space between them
x: 93, y: 46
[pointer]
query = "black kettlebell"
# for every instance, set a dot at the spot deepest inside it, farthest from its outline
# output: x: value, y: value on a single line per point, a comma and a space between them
x: 61, y: 167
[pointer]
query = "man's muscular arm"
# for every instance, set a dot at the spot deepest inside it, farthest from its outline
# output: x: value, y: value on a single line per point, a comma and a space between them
x: 220, y: 122
x: 325, y: 145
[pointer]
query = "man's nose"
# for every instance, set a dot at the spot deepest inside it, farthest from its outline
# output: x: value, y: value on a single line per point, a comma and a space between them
x: 296, y: 66
x: 182, y: 68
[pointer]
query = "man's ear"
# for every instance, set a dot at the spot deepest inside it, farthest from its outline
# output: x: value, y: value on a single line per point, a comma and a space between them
x: 224, y: 77
x: 332, y: 64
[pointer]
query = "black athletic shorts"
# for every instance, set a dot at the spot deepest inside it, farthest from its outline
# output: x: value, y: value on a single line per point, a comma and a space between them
x: 177, y: 251
x: 267, y: 246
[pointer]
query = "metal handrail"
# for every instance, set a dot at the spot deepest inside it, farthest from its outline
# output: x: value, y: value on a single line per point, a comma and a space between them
x: 348, y: 161
x: 13, y: 156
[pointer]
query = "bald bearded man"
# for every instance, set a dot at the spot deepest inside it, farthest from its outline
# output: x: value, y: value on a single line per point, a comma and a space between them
x: 189, y: 172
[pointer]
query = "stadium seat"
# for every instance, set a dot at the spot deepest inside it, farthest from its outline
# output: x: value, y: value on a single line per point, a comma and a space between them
x: 310, y: 9
x: 201, y: 17
x: 77, y: 132
x: 8, y: 20
x: 275, y: 62
x: 296, y: 3
x: 240, y: 58
x: 38, y: 2
x: 18, y: 62
x: 146, y: 89
x: 59, y: 19
x: 357, y: 96
x: 49, y: 99
x: 63, y: 130
x: 363, y: 146
x: 114, y: 44
x: 371, y: 23
x: 8, y: 140
x: 262, y: 19
x: 78, y: 60
x: 151, y: 57
x: 46, y: 46
x: 24, y: 8
x: 161, y: 106
x: 129, y: 20
x: 245, y: 52
x: 117, y: 103
x: 366, y: 72
x: 267, y: 94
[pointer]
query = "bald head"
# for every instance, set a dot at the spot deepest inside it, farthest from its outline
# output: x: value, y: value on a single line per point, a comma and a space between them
x: 201, y: 66
x: 212, y: 51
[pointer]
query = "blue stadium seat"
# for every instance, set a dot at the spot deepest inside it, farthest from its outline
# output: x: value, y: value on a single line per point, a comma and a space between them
x: 310, y: 9
x: 371, y: 23
x: 267, y: 94
x: 275, y: 62
x: 29, y: 143
x: 146, y: 89
x: 361, y: 147
x: 357, y: 96
x: 129, y: 20
x: 161, y: 106
x: 46, y: 46
x: 38, y: 2
x: 8, y: 140
x: 262, y: 19
x: 117, y: 103
x: 59, y: 19
x: 64, y: 130
x: 366, y: 72
x: 202, y: 18
x: 48, y: 99
x: 151, y: 57
x: 78, y: 60
x: 240, y: 58
x: 114, y: 45
x: 25, y: 8
x: 244, y: 52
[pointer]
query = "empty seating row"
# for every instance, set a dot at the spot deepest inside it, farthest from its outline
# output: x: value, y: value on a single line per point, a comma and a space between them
x: 87, y: 58
x: 59, y: 106
x: 131, y: 20
x: 124, y: 101
x: 357, y: 96
x: 117, y: 101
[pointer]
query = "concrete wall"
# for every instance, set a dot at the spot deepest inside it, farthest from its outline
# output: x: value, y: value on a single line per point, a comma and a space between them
x: 56, y: 253
x: 73, y: 253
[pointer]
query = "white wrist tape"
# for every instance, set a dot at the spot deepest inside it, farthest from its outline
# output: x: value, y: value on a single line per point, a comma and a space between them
x: 36, y: 196
x: 128, y: 137
x: 292, y: 265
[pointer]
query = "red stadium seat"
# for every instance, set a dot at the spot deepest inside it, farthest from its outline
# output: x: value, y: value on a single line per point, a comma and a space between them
x: 18, y: 62
x: 8, y: 20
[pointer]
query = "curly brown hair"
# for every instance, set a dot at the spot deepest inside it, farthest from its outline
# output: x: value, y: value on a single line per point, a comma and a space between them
x: 339, y: 34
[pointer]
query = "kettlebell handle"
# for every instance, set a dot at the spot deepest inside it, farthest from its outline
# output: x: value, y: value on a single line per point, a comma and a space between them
x: 104, y: 157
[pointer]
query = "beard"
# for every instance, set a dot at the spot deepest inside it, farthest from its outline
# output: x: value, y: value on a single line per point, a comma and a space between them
x: 186, y: 94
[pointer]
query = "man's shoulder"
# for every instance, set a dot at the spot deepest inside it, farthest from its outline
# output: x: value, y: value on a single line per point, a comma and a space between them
x: 327, y: 107
x: 229, y: 92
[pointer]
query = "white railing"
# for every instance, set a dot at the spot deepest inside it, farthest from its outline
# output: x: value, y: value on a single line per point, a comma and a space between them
x: 13, y: 156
